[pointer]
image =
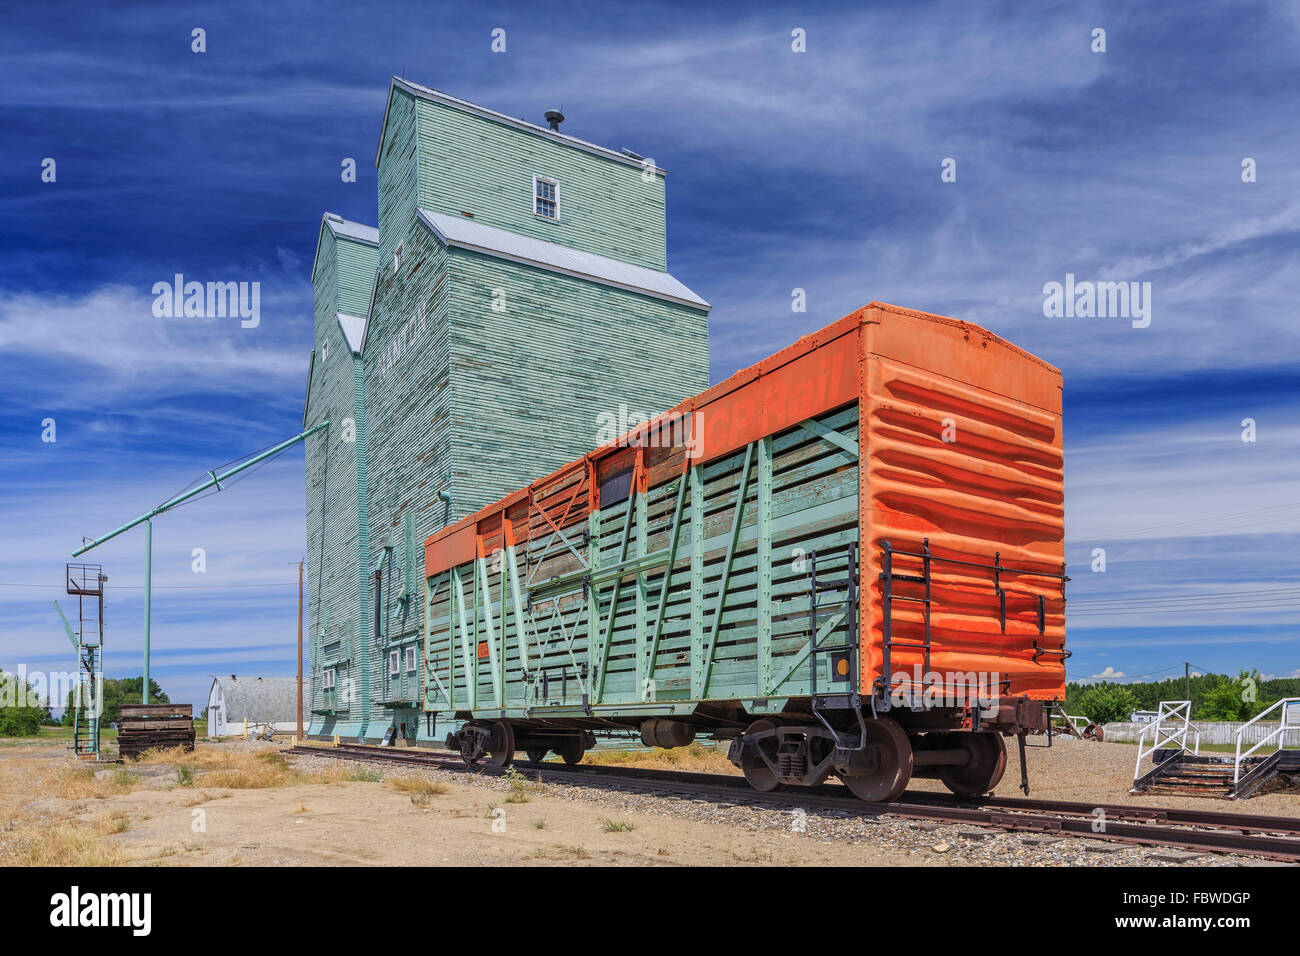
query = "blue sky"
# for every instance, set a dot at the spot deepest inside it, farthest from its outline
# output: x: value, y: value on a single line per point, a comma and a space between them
x: 817, y: 170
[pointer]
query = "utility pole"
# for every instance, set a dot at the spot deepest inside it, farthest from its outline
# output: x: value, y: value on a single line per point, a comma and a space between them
x: 1187, y: 680
x: 300, y: 650
x: 148, y: 602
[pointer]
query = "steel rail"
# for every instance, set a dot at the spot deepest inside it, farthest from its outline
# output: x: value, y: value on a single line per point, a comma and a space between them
x: 1125, y: 812
x: 1221, y: 832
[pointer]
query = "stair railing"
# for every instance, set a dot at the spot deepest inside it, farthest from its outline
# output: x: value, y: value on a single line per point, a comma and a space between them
x: 1171, y: 726
x: 1288, y: 721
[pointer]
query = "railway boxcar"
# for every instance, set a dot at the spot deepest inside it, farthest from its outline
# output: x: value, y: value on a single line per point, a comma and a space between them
x: 847, y: 560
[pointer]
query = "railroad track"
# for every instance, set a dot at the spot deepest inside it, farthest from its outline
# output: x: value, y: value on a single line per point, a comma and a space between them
x: 1274, y: 838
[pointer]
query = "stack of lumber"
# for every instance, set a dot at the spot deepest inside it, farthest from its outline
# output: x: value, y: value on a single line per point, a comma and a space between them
x: 146, y: 726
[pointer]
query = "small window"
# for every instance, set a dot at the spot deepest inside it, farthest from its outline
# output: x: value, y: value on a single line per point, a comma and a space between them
x: 327, y: 678
x: 325, y: 350
x: 393, y: 668
x: 546, y: 197
x: 399, y: 256
x: 410, y: 659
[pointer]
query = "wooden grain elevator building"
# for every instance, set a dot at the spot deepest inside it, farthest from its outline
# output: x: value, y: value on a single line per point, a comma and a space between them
x: 515, y: 290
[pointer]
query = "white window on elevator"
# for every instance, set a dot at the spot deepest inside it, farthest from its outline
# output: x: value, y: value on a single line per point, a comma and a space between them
x: 410, y: 659
x: 327, y: 678
x: 546, y: 197
x: 393, y: 664
x: 399, y: 256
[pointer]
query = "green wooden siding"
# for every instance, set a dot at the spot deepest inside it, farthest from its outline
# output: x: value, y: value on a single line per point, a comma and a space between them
x: 734, y: 618
x: 336, y: 599
x: 356, y: 275
x: 529, y: 383
x: 469, y: 164
x: 409, y: 447
x: 452, y: 396
x: 398, y: 179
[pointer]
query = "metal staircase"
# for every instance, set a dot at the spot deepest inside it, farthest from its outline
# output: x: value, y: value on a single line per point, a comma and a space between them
x: 86, y: 582
x: 1178, y: 771
x: 1167, y: 747
x: 1284, y: 760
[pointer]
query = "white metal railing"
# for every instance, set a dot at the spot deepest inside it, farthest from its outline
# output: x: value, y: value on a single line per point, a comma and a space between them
x: 1288, y: 720
x: 1172, y: 724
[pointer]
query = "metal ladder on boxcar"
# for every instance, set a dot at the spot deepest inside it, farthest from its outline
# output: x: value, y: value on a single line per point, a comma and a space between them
x: 847, y: 652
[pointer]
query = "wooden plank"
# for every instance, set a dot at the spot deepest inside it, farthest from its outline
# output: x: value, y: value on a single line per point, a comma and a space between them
x: 157, y: 710
x: 126, y: 726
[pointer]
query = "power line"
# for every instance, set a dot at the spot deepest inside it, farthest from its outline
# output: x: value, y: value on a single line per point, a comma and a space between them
x: 1208, y: 595
x: 1205, y: 609
x: 163, y: 587
x: 1209, y: 519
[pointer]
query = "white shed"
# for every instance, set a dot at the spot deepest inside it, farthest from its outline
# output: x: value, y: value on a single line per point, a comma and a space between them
x: 245, y: 706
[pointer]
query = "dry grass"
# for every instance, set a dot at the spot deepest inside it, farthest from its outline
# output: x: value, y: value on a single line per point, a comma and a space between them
x: 29, y: 842
x: 64, y: 845
x: 236, y: 770
x: 694, y: 757
x: 420, y: 785
x: 80, y: 783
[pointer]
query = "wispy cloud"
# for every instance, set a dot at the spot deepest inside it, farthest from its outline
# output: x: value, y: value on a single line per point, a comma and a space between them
x: 817, y: 171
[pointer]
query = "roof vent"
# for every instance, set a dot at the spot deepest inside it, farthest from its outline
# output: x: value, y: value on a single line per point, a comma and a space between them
x: 553, y: 119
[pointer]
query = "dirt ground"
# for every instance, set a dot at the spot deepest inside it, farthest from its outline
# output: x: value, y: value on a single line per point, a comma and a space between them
x: 342, y: 822
x: 235, y: 804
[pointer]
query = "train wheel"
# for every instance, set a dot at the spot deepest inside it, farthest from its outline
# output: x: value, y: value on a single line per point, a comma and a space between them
x: 536, y: 756
x: 468, y: 744
x: 572, y: 750
x: 988, y: 761
x: 894, y: 771
x: 501, y: 750
x: 763, y: 778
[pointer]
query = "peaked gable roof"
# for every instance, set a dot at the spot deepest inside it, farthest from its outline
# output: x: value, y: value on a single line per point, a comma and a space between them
x: 342, y: 228
x: 465, y: 106
x: 261, y: 700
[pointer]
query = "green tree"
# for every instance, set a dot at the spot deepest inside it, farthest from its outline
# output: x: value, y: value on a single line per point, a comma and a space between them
x: 1232, y: 698
x: 18, y: 717
x: 119, y: 691
x: 1104, y: 703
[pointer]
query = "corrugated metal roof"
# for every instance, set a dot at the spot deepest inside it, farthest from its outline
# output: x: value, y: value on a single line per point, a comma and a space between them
x: 467, y: 234
x: 261, y: 700
x: 352, y: 230
x: 354, y: 330
x: 455, y: 102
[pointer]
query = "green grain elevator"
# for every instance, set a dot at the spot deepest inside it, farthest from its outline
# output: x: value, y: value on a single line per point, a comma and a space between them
x: 516, y: 288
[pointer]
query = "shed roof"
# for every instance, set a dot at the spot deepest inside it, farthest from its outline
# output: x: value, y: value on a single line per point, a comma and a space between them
x: 354, y: 330
x: 467, y: 234
x: 262, y: 700
x: 352, y: 230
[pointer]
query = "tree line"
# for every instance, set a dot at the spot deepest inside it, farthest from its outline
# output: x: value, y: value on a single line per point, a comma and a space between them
x: 1213, y: 696
x: 20, y: 717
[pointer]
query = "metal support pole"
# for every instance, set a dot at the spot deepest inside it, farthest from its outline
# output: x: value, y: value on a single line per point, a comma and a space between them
x: 148, y: 594
x: 214, y: 481
x: 300, y: 650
